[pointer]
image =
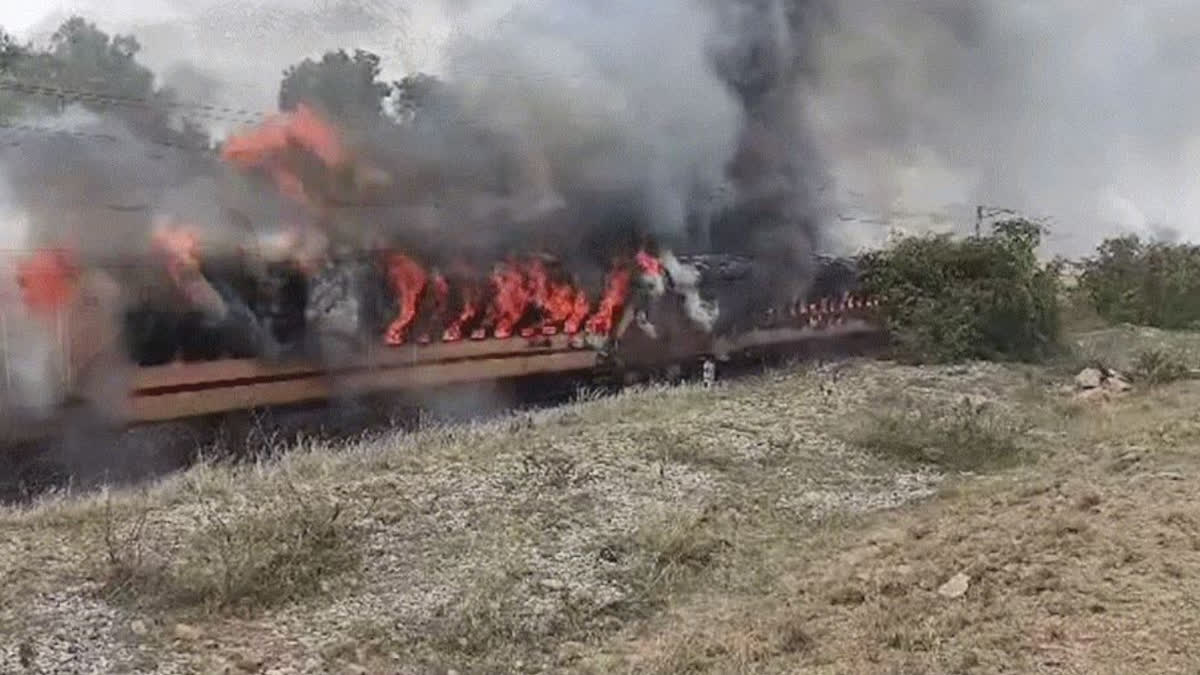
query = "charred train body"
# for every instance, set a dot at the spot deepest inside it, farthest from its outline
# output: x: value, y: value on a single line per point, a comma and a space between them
x: 238, y: 338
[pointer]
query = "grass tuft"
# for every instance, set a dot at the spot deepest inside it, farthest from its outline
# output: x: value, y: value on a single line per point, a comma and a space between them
x: 1159, y: 365
x: 270, y: 554
x: 967, y: 437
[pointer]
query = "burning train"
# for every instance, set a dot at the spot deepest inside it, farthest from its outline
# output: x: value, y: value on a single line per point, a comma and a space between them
x: 533, y: 216
x: 190, y: 329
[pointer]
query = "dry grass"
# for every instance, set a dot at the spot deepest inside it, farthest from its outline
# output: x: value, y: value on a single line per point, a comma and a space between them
x: 794, y: 522
x: 963, y: 437
x: 1123, y: 346
x: 238, y: 561
x: 1157, y: 365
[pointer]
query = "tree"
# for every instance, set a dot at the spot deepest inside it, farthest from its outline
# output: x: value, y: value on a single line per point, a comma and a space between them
x: 102, y: 73
x: 1147, y: 283
x: 12, y: 54
x: 415, y: 93
x: 88, y: 59
x: 345, y: 88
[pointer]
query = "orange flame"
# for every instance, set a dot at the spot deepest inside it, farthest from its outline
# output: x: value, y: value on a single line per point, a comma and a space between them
x: 302, y: 127
x: 266, y: 147
x: 615, y: 292
x: 520, y: 290
x: 511, y: 300
x: 48, y: 280
x: 558, y: 301
x: 470, y: 309
x: 580, y: 308
x: 649, y: 265
x: 181, y: 246
x: 408, y: 280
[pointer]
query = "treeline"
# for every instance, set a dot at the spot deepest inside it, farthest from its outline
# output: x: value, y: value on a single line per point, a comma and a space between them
x: 82, y: 65
x: 988, y: 297
x: 85, y: 66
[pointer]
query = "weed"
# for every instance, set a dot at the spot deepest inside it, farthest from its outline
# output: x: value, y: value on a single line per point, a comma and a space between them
x: 129, y: 561
x: 1160, y: 366
x: 244, y: 562
x: 965, y: 437
x: 674, y: 545
x: 275, y: 554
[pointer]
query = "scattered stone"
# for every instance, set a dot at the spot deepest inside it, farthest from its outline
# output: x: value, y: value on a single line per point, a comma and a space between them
x: 252, y: 664
x: 1097, y: 383
x: 1089, y: 378
x: 956, y: 587
x: 1116, y: 384
x: 138, y: 627
x: 185, y: 632
x: 571, y: 650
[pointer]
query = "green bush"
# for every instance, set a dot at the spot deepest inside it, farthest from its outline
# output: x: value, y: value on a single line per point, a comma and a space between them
x: 985, y: 297
x: 1144, y: 283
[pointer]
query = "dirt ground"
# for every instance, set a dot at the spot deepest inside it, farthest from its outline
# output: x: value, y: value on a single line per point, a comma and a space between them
x: 860, y: 517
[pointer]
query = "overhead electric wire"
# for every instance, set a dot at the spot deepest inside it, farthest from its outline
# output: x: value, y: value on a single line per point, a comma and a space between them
x: 190, y: 108
x: 196, y: 108
x: 19, y: 128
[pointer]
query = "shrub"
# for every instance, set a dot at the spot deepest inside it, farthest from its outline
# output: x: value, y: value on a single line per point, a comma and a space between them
x: 278, y: 551
x: 963, y: 437
x: 1160, y: 366
x: 1144, y: 283
x: 986, y: 297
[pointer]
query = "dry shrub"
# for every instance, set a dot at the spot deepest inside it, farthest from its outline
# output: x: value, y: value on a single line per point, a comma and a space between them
x: 129, y: 561
x: 964, y: 437
x: 504, y: 613
x: 1160, y: 366
x: 672, y: 547
x: 489, y: 618
x: 236, y: 561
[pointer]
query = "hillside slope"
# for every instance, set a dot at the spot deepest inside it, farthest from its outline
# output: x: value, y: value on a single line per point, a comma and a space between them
x: 861, y: 517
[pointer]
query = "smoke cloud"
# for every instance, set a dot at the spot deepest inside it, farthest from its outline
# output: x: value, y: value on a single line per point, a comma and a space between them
x: 923, y: 109
x: 883, y: 114
x: 1075, y: 111
x: 619, y: 98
